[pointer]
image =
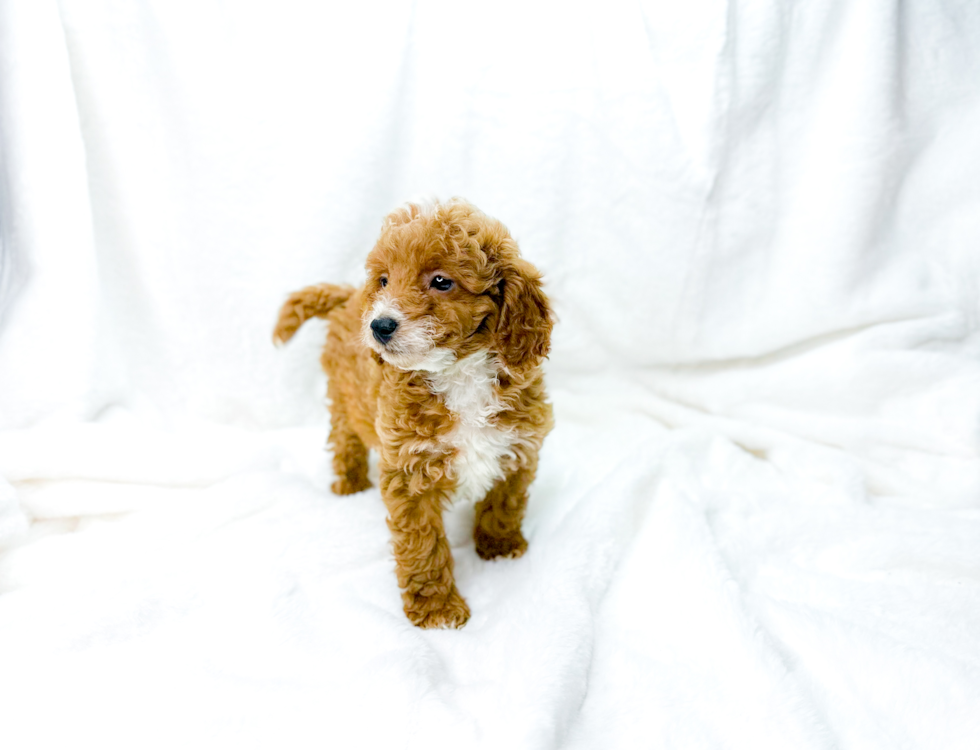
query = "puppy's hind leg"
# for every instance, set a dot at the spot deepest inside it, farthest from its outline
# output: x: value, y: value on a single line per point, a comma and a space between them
x: 350, y: 455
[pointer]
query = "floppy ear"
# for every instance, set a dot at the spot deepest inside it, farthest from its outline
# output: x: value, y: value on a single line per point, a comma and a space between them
x: 523, y: 335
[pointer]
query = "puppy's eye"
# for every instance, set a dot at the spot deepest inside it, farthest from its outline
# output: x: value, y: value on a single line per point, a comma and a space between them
x: 441, y: 283
x: 383, y: 281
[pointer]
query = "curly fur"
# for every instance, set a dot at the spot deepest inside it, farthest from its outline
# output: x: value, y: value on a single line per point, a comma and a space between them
x: 454, y: 403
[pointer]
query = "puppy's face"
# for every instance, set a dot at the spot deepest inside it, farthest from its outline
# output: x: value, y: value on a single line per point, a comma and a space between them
x: 428, y: 304
x: 446, y: 281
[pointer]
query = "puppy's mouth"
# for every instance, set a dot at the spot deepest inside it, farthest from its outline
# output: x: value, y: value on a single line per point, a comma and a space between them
x: 435, y: 359
x: 430, y: 359
x: 406, y: 344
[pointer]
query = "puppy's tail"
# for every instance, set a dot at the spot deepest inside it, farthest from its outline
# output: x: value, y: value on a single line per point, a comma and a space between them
x: 311, y: 302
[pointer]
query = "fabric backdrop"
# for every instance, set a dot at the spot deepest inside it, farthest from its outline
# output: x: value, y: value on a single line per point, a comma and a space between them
x: 757, y: 521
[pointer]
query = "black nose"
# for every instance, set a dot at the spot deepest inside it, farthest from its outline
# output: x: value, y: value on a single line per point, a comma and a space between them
x: 384, y: 329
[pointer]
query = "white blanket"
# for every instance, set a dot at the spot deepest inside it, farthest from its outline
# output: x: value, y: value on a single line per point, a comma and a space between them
x: 757, y: 521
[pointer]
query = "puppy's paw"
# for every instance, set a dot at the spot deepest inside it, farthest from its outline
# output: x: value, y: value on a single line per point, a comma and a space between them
x: 437, y: 611
x: 489, y: 547
x: 350, y: 485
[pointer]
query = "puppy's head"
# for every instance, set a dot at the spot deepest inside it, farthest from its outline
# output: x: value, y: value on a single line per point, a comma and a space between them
x: 446, y: 281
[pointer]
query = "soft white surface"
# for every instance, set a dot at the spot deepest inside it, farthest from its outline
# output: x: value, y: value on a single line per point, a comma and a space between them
x: 757, y: 522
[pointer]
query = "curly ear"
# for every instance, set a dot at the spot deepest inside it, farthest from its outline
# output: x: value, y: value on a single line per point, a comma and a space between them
x: 523, y: 334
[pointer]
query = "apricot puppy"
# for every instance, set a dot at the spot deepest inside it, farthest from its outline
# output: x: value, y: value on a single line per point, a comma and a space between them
x: 436, y: 363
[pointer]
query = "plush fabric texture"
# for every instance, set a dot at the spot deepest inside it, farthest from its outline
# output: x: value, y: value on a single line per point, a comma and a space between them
x: 756, y: 522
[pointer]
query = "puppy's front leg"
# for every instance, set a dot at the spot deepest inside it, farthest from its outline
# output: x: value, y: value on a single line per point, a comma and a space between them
x: 497, y: 531
x: 423, y: 561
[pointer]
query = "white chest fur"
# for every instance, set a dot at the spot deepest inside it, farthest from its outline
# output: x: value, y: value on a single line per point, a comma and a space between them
x: 467, y: 388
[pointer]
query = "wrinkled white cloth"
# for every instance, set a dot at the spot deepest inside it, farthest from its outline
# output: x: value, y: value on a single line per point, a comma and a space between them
x: 757, y: 521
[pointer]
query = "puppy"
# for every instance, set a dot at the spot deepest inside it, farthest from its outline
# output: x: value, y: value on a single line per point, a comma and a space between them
x: 436, y: 363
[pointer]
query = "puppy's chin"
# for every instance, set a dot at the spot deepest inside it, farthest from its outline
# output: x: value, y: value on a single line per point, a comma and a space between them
x: 436, y: 359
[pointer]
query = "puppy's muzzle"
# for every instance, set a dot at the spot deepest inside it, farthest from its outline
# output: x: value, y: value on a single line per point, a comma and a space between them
x: 383, y: 329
